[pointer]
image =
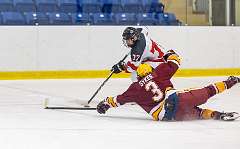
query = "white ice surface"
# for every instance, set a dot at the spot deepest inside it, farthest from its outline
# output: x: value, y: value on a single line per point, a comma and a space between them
x: 25, y: 124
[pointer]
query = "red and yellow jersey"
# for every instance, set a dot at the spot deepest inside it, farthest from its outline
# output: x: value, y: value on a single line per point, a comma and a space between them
x: 149, y: 92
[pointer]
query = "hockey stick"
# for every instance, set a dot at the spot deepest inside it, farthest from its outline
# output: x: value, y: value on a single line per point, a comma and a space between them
x: 71, y: 108
x: 86, y: 107
x: 65, y: 108
x: 104, y: 82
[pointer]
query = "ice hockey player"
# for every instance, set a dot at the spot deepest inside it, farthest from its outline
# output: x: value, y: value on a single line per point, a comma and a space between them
x: 149, y: 91
x: 155, y: 94
x: 143, y: 49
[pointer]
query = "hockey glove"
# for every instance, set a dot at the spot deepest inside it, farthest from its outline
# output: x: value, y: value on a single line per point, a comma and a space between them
x: 119, y: 67
x: 102, y: 107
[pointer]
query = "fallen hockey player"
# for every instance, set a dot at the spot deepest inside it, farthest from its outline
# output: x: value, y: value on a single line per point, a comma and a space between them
x: 155, y: 94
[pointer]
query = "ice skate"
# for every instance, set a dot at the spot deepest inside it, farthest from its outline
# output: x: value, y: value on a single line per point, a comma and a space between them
x: 229, y: 116
x: 233, y: 78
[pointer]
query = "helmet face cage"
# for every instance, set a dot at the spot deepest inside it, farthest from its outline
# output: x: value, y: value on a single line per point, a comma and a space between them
x: 124, y: 42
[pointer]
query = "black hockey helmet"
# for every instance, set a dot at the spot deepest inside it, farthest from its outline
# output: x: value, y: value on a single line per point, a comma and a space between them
x: 130, y: 32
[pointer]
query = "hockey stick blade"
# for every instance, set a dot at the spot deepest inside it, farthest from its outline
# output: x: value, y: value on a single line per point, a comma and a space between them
x: 65, y: 108
x: 71, y: 108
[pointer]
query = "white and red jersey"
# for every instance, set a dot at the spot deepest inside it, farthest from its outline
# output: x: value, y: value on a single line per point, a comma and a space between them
x: 144, y: 50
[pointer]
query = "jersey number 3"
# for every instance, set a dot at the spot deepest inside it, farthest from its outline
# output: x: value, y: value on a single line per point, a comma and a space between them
x: 152, y: 86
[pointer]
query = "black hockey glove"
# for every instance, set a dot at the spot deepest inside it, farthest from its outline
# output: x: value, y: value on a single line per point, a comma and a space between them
x: 117, y: 68
x: 102, y: 107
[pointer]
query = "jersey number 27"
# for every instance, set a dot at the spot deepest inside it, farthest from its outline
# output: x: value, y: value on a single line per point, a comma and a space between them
x: 152, y: 86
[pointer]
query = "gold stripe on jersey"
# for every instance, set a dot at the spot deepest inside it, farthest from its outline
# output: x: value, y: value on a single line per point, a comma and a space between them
x: 174, y: 58
x: 157, y: 110
x: 111, y: 102
x: 220, y: 87
x: 168, y: 89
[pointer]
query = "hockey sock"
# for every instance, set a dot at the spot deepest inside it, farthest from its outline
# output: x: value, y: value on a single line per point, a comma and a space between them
x: 216, y: 88
x: 209, y: 114
x: 219, y: 87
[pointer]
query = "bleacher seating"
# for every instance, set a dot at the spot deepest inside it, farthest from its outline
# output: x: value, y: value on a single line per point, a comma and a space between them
x: 13, y: 18
x: 24, y: 5
x: 39, y: 18
x: 126, y: 19
x: 103, y: 19
x: 6, y: 5
x: 81, y: 19
x: 69, y: 6
x: 1, y: 19
x: 167, y: 19
x: 87, y: 12
x: 46, y: 5
x: 111, y: 6
x: 59, y: 19
x: 172, y: 19
x: 90, y: 6
x: 153, y: 6
x: 150, y: 2
x: 132, y: 6
x: 147, y: 19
